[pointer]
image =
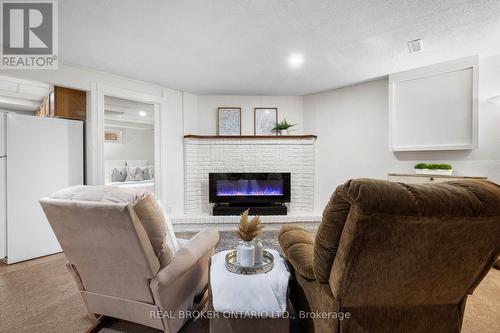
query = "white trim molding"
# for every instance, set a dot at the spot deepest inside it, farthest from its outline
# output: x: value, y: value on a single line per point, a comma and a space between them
x: 98, y: 126
x: 466, y: 70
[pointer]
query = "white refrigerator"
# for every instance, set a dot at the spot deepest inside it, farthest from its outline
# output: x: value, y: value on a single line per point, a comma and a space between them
x: 38, y: 156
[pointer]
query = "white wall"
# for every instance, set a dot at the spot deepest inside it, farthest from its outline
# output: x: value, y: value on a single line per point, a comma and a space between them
x: 352, y: 128
x: 190, y: 113
x: 137, y: 144
x: 202, y: 120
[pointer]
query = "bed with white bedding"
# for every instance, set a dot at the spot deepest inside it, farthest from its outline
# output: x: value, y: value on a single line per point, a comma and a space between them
x: 133, y: 175
x: 136, y: 186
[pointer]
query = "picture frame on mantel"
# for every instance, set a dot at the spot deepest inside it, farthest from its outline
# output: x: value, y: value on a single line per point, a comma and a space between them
x: 264, y: 120
x: 229, y: 121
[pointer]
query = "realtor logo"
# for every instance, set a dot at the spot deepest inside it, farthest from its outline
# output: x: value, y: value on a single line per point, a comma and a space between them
x: 29, y: 34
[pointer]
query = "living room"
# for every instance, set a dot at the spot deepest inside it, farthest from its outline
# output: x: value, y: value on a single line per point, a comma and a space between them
x: 360, y: 136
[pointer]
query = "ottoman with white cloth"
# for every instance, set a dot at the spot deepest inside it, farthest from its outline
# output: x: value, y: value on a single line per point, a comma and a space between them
x: 249, y: 303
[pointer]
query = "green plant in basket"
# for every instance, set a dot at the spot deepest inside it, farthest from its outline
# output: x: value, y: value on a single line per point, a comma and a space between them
x: 433, y: 166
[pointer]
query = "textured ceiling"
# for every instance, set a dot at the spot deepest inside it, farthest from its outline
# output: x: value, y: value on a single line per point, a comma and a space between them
x: 241, y: 47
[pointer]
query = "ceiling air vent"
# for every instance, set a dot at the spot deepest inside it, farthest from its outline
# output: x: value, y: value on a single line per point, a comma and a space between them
x: 416, y: 45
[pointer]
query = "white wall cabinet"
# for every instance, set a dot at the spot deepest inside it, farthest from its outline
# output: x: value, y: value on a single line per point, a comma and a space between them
x: 434, y: 107
x: 421, y: 179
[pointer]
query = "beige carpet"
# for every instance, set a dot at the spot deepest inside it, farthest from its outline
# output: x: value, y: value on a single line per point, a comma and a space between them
x: 40, y: 296
x: 482, y: 312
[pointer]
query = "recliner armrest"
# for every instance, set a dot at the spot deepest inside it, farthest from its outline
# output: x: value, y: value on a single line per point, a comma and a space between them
x: 188, y: 255
x: 187, y: 274
x: 297, y: 244
x: 202, y: 242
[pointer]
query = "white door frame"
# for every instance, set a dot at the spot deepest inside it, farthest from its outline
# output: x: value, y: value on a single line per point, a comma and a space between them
x: 97, y: 121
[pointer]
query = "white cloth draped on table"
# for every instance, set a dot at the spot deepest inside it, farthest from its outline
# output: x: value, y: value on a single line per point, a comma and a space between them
x: 263, y: 294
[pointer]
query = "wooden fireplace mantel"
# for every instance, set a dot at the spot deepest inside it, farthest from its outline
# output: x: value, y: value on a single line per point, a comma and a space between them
x: 239, y: 137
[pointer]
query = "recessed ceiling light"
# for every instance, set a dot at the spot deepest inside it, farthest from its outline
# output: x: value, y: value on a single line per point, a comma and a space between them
x: 416, y: 45
x: 295, y: 60
x: 142, y: 113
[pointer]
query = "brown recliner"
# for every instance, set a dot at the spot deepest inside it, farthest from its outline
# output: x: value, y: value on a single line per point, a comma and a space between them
x: 393, y: 257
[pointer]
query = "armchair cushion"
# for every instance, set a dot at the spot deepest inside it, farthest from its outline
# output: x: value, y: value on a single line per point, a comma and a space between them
x: 154, y: 222
x: 297, y: 244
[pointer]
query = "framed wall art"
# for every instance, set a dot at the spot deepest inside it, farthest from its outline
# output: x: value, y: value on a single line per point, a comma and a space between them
x: 265, y: 120
x: 113, y: 136
x: 229, y: 121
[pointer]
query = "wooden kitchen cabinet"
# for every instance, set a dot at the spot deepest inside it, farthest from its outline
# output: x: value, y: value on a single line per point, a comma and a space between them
x: 68, y: 103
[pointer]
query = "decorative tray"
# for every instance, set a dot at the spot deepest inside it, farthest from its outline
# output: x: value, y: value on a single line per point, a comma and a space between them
x: 265, y: 266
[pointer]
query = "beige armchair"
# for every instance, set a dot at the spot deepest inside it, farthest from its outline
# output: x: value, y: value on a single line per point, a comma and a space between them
x: 393, y: 257
x: 113, y: 261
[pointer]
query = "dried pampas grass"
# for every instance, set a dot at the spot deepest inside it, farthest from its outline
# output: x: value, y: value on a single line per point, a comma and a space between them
x: 248, y: 230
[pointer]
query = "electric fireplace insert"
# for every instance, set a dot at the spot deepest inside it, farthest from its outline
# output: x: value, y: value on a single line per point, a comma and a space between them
x: 263, y: 193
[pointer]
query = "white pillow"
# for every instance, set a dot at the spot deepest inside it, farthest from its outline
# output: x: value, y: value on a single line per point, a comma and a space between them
x: 145, y: 172
x: 109, y: 165
x: 134, y: 175
x: 119, y: 174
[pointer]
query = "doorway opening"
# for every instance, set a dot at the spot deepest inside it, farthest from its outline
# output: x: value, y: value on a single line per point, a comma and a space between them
x: 129, y: 144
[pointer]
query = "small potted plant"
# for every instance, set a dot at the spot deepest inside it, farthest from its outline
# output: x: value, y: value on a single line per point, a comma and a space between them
x: 282, y: 126
x: 247, y: 231
x: 433, y: 169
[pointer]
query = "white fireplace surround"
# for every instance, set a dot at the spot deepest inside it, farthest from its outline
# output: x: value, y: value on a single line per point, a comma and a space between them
x: 203, y: 155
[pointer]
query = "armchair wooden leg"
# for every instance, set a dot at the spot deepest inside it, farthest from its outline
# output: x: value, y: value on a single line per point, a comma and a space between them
x: 202, y: 295
x: 98, y: 325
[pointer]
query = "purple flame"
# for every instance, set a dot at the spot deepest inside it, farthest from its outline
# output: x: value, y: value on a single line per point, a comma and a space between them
x: 249, y: 187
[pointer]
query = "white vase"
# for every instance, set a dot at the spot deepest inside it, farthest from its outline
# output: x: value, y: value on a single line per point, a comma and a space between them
x: 245, y: 254
x: 258, y: 251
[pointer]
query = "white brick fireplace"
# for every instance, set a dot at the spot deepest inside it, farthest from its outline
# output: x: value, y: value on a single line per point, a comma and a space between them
x: 203, y: 155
